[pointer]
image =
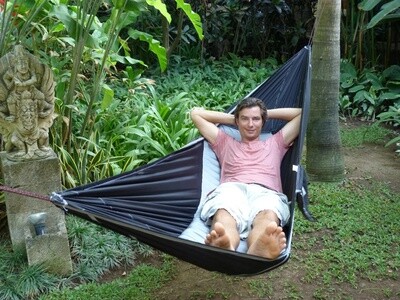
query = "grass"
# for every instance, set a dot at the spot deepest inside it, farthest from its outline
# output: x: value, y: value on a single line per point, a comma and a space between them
x: 137, y: 285
x: 355, y: 236
x: 18, y: 280
x: 364, y: 133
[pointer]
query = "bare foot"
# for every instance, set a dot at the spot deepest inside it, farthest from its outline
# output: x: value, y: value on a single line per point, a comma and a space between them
x: 218, y: 237
x: 270, y: 244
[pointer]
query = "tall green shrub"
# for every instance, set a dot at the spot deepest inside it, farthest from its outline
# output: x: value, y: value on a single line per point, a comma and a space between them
x: 369, y: 92
x: 369, y: 30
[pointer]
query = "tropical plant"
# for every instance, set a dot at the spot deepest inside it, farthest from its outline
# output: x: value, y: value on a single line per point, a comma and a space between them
x: 163, y: 128
x: 389, y: 11
x: 392, y: 117
x: 369, y: 92
x: 18, y: 280
x: 96, y: 250
x: 257, y: 28
x: 181, y: 32
x: 92, y: 51
x: 19, y: 22
x: 369, y: 31
x: 371, y: 95
x: 96, y: 47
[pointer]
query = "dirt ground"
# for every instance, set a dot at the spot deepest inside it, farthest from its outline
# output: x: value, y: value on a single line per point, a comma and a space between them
x: 363, y: 165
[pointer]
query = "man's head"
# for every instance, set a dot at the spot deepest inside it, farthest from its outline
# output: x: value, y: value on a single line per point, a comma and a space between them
x: 250, y: 116
x: 252, y: 102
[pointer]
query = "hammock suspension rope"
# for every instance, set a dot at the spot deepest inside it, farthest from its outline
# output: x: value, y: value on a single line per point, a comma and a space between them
x: 21, y: 192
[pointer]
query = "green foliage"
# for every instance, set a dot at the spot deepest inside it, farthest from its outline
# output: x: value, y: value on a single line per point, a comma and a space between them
x: 369, y: 92
x: 91, y: 160
x: 163, y: 128
x: 257, y: 28
x: 18, y: 280
x: 154, y: 46
x: 137, y: 285
x: 392, y: 117
x: 90, y: 47
x: 216, y: 83
x: 161, y: 7
x: 193, y: 17
x: 73, y: 31
x: 19, y: 23
x: 95, y: 45
x: 94, y: 48
x: 371, y: 95
x: 96, y: 250
x: 388, y: 11
x: 143, y: 124
x: 366, y: 31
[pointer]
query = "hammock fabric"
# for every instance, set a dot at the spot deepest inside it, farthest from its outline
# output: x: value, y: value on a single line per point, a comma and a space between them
x: 155, y: 203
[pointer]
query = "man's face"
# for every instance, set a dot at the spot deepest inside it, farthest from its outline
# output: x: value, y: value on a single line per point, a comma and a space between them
x: 250, y: 123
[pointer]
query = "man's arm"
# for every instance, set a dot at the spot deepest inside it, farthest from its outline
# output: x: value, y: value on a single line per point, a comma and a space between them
x: 206, y: 122
x: 292, y: 128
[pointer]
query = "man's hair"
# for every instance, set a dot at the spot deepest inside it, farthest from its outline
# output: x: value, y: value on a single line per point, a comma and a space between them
x: 251, y: 102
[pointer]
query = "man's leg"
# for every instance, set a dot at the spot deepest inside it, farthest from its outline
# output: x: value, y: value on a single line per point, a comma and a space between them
x: 266, y: 238
x: 224, y: 233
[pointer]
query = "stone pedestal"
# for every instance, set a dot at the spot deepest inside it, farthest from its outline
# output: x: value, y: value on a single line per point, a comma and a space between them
x: 41, y: 177
x: 52, y: 250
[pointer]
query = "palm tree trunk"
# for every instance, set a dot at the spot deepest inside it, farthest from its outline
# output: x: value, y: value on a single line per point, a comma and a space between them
x: 324, y: 158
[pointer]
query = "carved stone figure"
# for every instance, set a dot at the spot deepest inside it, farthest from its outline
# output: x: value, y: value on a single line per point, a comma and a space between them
x: 26, y: 105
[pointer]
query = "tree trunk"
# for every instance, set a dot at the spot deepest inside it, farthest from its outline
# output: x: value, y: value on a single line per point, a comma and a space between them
x: 324, y: 158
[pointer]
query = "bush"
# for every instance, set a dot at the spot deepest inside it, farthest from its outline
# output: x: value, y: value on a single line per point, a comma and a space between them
x: 368, y: 93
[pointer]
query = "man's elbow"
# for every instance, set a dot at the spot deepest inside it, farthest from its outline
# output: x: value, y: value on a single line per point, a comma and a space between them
x: 194, y: 112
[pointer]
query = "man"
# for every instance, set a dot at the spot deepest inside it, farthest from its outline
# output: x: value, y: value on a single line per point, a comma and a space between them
x: 249, y: 202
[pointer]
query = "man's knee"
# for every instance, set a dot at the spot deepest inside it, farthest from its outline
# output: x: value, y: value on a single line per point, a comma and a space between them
x: 222, y: 213
x: 266, y: 215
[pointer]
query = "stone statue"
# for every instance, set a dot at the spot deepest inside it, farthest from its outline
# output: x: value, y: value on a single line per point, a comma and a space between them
x: 26, y: 105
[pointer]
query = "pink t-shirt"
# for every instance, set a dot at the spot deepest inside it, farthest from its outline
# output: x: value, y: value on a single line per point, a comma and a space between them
x: 254, y: 162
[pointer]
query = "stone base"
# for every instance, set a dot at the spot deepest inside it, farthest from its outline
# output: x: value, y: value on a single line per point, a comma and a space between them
x: 41, y: 177
x: 51, y: 250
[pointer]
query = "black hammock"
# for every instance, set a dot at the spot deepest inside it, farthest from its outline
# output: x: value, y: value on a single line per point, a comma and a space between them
x: 157, y: 202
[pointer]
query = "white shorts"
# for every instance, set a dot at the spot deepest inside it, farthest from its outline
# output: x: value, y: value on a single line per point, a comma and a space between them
x: 244, y: 201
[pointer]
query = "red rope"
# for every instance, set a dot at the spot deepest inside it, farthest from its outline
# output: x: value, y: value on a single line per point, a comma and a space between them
x: 24, y: 193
